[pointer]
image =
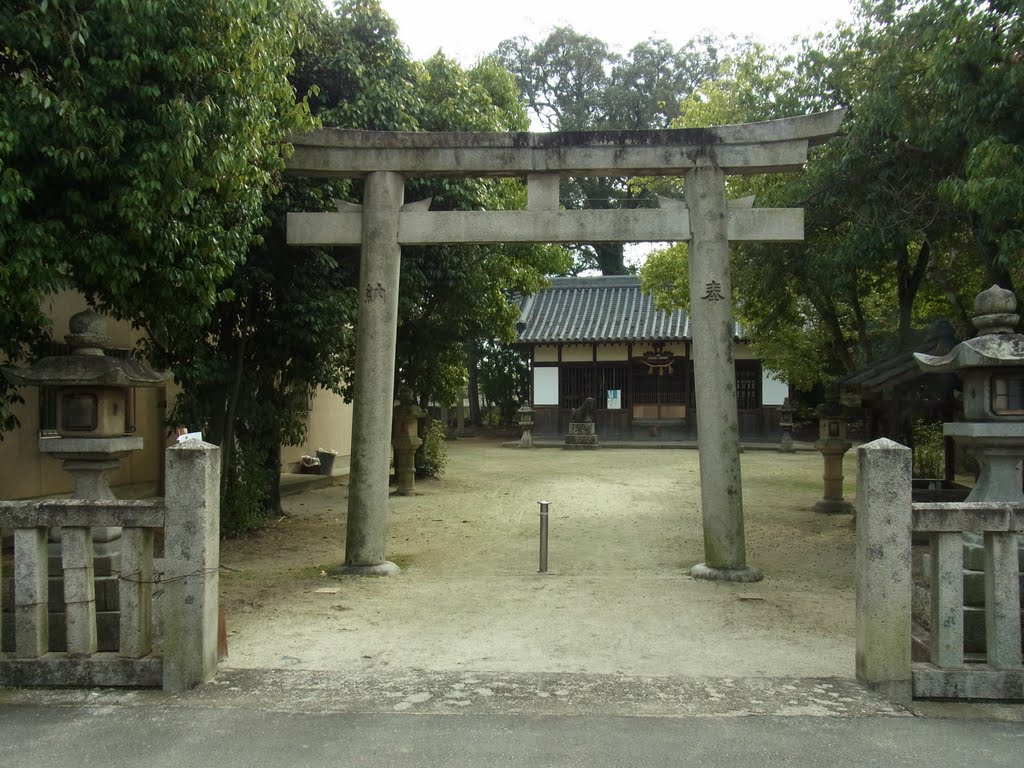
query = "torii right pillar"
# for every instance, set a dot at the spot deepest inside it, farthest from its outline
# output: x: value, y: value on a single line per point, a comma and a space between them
x: 718, y: 431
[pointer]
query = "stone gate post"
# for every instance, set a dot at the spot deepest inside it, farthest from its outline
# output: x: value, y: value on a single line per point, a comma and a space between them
x: 191, y: 564
x: 883, y: 615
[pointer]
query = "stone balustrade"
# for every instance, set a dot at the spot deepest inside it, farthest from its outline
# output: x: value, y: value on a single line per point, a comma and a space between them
x: 186, y: 581
x: 886, y: 522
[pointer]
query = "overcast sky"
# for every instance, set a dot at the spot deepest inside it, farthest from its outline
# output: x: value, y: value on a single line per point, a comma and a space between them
x: 468, y: 29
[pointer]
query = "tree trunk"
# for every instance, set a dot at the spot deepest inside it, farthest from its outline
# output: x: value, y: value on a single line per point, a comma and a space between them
x: 998, y: 274
x: 611, y: 258
x: 272, y: 463
x: 232, y: 405
x: 909, y: 280
x: 473, y: 386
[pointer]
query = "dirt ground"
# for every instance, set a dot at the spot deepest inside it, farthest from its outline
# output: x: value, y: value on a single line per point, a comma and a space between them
x: 625, y: 525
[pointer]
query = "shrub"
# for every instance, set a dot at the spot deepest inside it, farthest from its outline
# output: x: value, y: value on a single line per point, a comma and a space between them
x: 929, y: 453
x: 432, y: 456
x: 244, y: 503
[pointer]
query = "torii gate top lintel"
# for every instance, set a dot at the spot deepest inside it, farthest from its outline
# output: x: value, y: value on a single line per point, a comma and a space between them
x: 770, y: 146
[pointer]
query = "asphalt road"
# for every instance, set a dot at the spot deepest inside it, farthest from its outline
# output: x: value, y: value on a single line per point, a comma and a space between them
x: 157, y: 737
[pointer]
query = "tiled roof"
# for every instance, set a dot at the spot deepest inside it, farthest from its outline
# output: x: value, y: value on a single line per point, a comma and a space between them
x: 592, y: 309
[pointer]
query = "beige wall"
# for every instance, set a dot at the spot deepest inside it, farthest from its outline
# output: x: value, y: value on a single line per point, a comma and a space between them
x: 612, y: 352
x: 25, y: 473
x: 742, y: 351
x: 330, y: 428
x: 545, y: 354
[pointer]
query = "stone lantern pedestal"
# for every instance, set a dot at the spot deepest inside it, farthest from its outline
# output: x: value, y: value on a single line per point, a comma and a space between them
x: 89, y: 460
x: 833, y: 445
x: 405, y: 439
x: 526, y: 424
x: 786, y: 425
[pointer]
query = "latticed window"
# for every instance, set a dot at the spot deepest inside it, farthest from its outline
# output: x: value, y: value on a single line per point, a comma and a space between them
x: 748, y: 384
x: 575, y: 384
x: 578, y: 382
x: 612, y: 377
x: 651, y: 387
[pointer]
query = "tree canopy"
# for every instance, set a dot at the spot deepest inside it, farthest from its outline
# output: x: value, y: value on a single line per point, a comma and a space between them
x: 908, y: 212
x: 138, y: 142
x: 575, y: 82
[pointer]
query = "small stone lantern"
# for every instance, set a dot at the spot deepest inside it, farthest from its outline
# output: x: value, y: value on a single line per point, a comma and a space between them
x: 405, y: 439
x: 991, y: 369
x: 786, y: 425
x: 526, y: 424
x: 92, y: 401
x: 833, y: 445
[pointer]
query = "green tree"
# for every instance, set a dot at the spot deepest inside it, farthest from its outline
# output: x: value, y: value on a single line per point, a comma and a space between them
x: 138, y: 142
x: 575, y: 82
x: 454, y: 297
x: 892, y: 240
x: 282, y: 328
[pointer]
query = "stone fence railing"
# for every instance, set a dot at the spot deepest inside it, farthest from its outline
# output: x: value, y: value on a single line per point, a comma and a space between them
x: 886, y: 521
x: 185, y: 579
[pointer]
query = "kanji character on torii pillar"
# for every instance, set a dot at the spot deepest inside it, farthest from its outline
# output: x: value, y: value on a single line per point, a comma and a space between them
x: 384, y: 223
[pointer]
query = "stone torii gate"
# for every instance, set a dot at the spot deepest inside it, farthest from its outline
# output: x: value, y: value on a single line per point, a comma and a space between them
x: 384, y: 223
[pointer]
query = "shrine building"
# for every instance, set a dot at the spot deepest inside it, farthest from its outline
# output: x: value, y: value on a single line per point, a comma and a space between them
x: 601, y: 337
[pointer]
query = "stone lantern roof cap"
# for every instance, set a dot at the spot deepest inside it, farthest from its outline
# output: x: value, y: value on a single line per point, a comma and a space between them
x: 87, y: 365
x: 995, y: 346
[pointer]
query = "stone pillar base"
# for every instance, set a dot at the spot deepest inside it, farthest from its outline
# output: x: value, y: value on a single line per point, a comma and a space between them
x: 833, y: 506
x: 387, y: 568
x: 745, y: 574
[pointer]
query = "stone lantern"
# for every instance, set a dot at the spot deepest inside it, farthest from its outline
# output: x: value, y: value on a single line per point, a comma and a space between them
x: 786, y: 425
x: 92, y: 392
x: 991, y: 369
x: 405, y: 439
x: 833, y: 445
x: 526, y: 424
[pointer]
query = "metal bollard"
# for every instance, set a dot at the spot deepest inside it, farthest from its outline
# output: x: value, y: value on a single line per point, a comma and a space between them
x: 544, y: 535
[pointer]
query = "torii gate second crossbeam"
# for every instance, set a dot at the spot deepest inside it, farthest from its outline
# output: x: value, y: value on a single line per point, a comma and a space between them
x: 384, y: 223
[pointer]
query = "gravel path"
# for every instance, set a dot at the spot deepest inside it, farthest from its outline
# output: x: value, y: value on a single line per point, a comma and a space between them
x: 625, y: 526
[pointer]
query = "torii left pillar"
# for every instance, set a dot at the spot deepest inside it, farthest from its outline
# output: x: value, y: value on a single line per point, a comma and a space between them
x: 376, y: 332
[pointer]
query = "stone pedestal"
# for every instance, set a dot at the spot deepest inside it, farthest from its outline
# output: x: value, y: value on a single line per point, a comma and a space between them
x: 832, y: 502
x: 405, y: 440
x: 582, y: 435
x: 526, y: 424
x: 405, y: 463
x: 89, y: 460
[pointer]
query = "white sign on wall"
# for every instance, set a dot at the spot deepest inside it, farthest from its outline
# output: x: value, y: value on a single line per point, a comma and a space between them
x: 545, y: 386
x: 614, y: 399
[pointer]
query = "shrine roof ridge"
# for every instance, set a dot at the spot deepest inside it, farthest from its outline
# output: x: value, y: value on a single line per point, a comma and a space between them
x: 604, y: 309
